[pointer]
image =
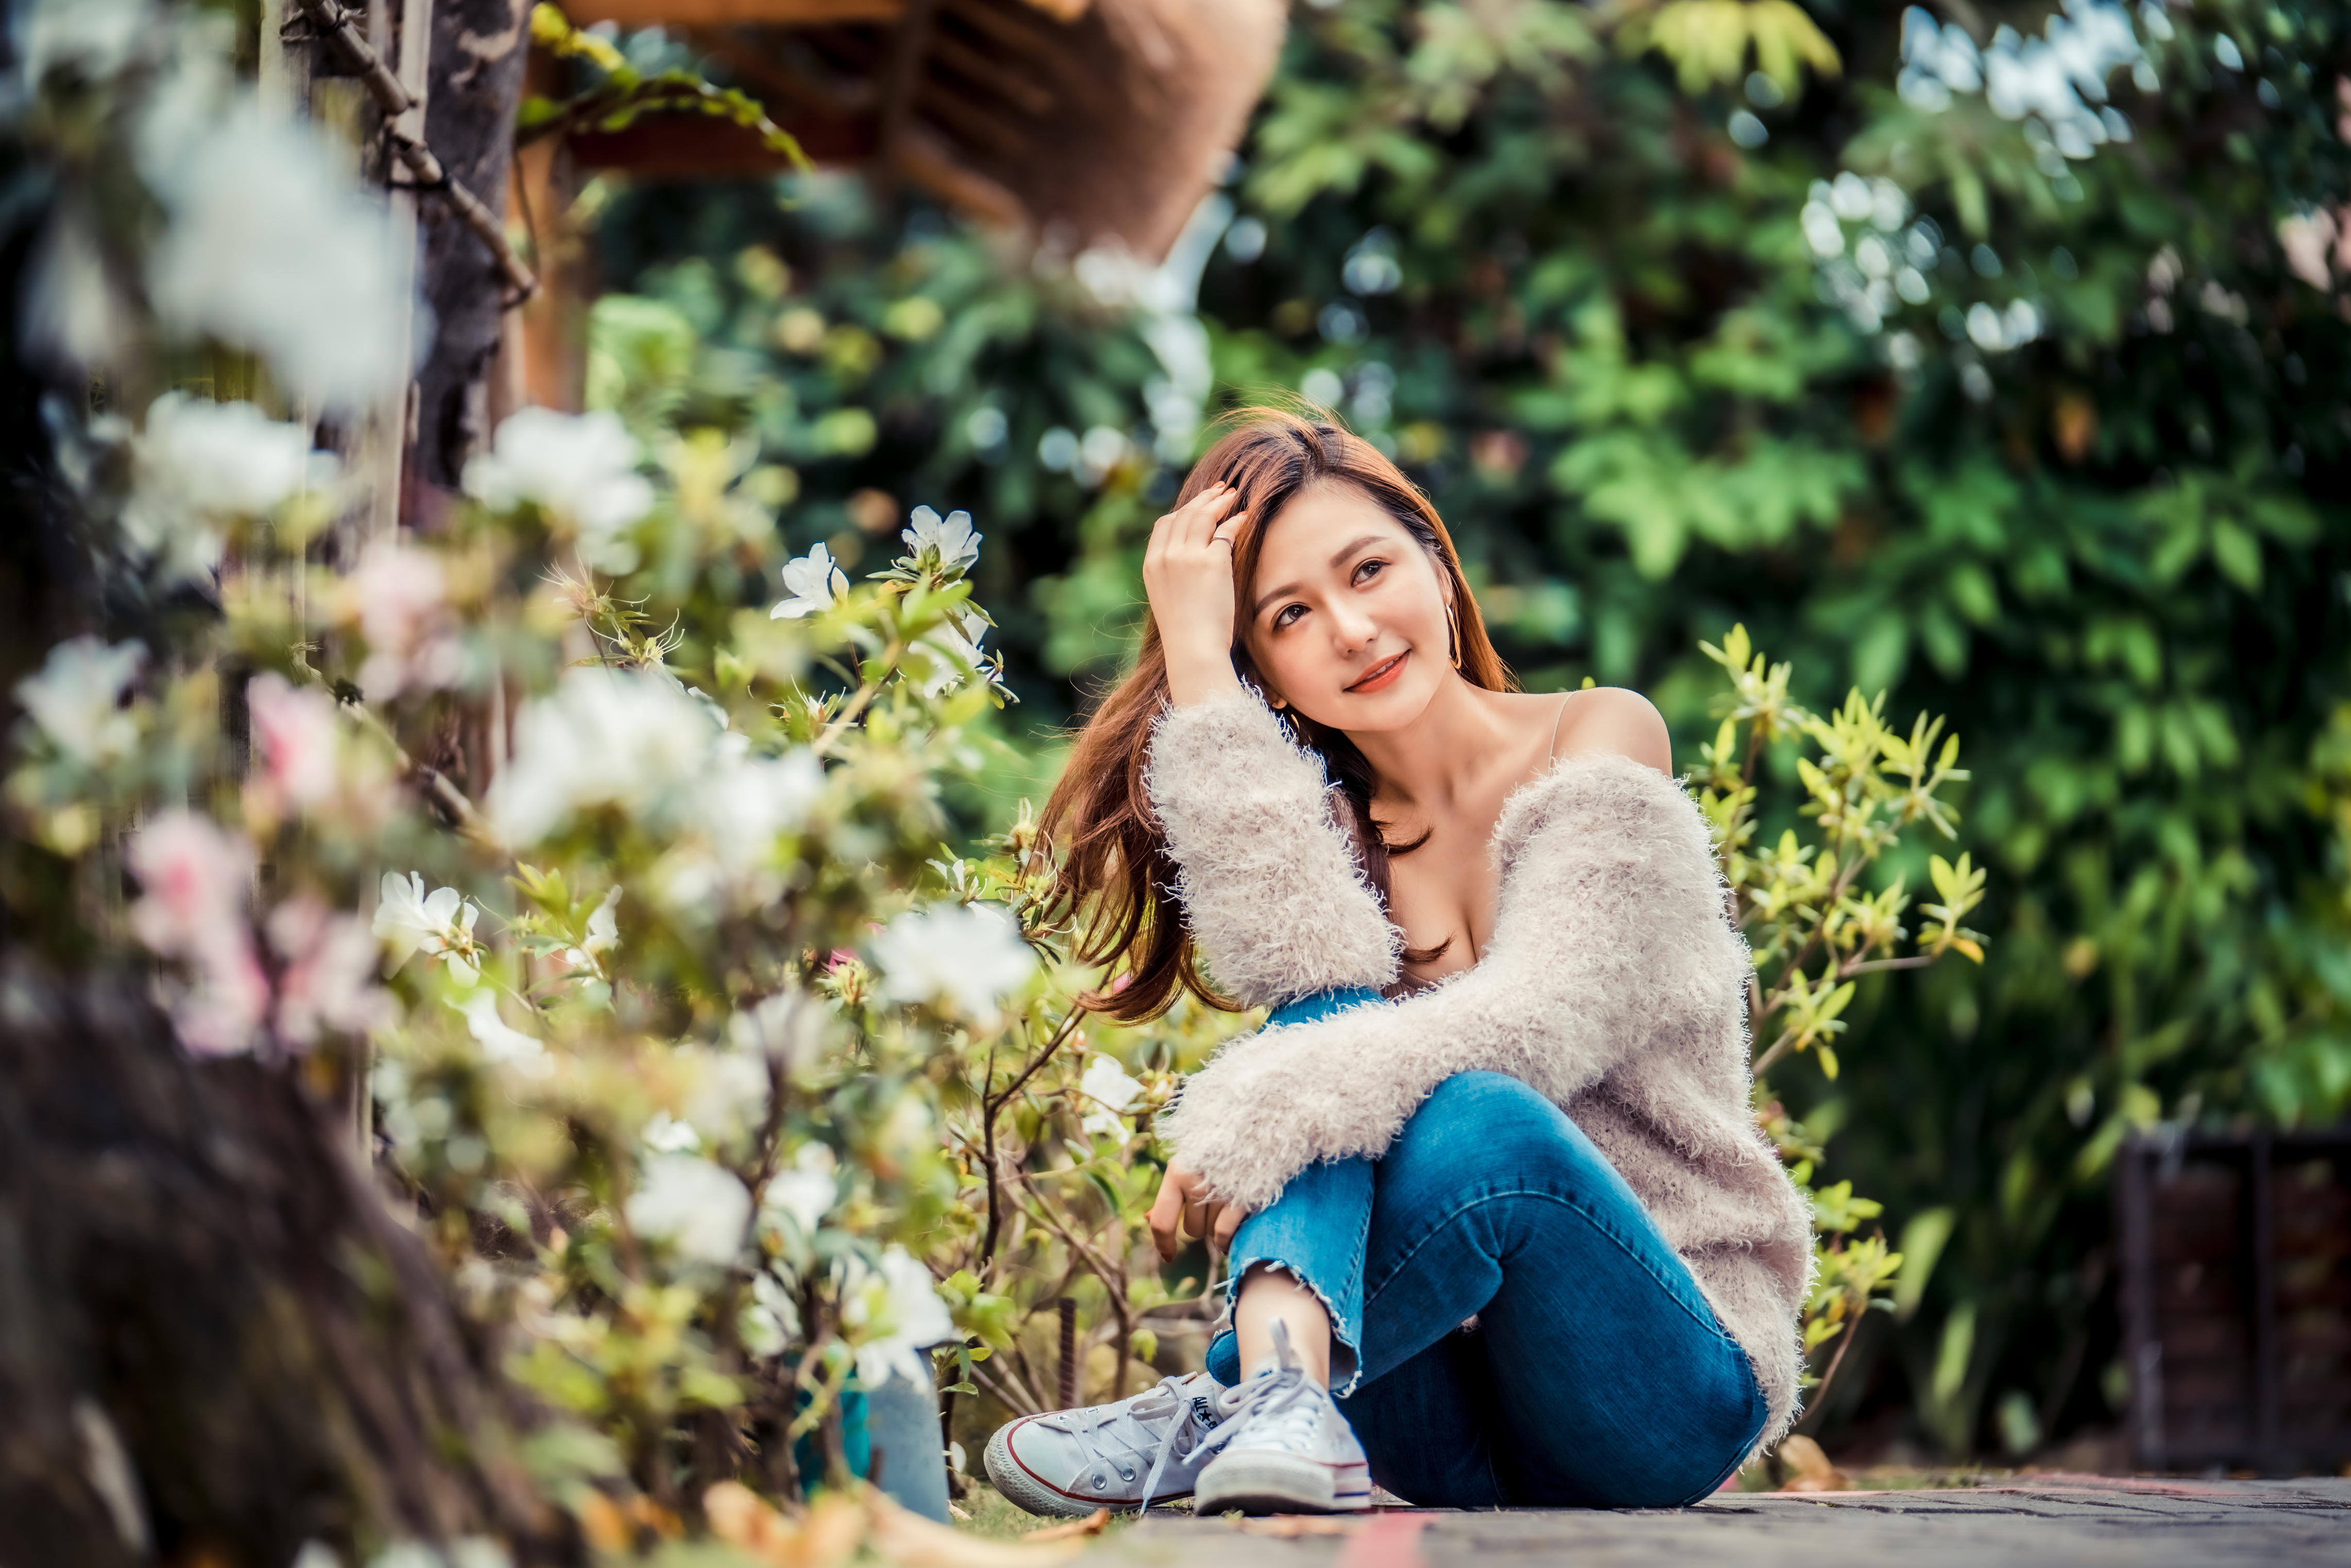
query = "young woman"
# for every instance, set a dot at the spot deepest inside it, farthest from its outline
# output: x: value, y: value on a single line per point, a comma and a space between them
x: 1500, y: 1226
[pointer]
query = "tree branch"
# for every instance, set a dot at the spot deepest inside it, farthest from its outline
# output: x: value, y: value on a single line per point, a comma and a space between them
x: 338, y: 29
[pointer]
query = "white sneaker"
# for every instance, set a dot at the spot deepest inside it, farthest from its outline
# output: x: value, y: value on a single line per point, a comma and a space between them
x: 1281, y: 1447
x: 1142, y: 1450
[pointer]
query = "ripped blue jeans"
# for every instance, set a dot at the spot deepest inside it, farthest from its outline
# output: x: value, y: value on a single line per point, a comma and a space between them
x: 1596, y: 1375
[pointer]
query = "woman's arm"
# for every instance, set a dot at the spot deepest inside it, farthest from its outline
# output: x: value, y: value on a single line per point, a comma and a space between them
x: 1610, y: 940
x: 1270, y: 886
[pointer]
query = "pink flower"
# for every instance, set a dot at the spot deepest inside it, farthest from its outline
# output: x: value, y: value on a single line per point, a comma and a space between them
x: 398, y: 597
x: 196, y: 878
x: 295, y: 728
x: 329, y: 978
x: 219, y: 1014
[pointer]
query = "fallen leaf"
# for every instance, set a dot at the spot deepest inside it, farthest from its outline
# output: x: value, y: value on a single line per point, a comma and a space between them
x: 1813, y: 1471
x: 1291, y: 1526
x: 913, y: 1542
x: 1076, y: 1529
x: 655, y: 1518
x: 604, y: 1523
x: 825, y: 1535
x: 831, y: 1531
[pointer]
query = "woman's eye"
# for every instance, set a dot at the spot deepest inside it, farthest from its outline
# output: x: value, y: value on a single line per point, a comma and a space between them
x: 1368, y: 570
x: 1286, y: 615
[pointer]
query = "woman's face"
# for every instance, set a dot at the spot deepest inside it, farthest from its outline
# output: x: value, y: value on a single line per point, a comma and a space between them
x: 1346, y: 617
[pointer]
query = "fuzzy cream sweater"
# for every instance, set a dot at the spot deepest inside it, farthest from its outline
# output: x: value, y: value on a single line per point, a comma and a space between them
x: 1614, y: 984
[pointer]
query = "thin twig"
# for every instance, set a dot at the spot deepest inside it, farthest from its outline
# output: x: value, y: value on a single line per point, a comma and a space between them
x: 991, y: 1107
x: 338, y: 29
x: 1877, y: 965
x: 1821, y: 1391
x: 1009, y: 1391
x: 866, y: 692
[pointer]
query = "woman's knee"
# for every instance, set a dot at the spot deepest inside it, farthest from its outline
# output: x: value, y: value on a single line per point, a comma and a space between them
x: 1488, y: 1122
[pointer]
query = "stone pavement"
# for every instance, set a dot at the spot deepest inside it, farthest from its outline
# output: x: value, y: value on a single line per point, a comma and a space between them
x: 2033, y: 1520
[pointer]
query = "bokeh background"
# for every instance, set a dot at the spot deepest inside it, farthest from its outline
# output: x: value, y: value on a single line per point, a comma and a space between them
x: 1995, y: 357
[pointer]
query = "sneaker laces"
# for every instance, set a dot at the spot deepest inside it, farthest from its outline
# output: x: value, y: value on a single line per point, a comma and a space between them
x: 1168, y: 1399
x: 1283, y: 1403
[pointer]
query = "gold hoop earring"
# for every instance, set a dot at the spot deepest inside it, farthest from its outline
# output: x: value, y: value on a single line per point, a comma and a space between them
x: 1452, y: 636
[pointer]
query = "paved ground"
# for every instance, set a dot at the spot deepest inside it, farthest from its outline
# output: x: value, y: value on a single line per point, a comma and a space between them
x: 2141, y: 1523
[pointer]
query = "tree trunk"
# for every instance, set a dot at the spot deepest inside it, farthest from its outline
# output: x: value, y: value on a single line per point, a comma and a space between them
x: 217, y: 1341
x: 479, y: 48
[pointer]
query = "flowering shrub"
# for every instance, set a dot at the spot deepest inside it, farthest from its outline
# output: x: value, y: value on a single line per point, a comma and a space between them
x: 596, y: 852
x: 1815, y: 931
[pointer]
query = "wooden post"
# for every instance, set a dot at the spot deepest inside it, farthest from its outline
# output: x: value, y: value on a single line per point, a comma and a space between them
x: 384, y: 439
x: 1071, y: 1380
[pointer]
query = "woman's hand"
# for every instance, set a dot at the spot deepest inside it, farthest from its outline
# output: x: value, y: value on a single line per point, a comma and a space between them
x: 1188, y: 574
x: 1185, y: 1211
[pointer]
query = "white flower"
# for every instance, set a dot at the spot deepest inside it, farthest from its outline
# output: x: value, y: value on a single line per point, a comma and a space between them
x: 790, y: 1027
x: 442, y: 924
x: 98, y: 37
x: 75, y: 699
x: 268, y: 247
x: 635, y: 742
x: 949, y: 543
x: 805, y: 1193
x: 668, y: 1135
x: 892, y: 1314
x: 953, y: 650
x: 296, y: 731
x: 1106, y: 1084
x: 693, y: 1205
x: 747, y: 799
x: 199, y: 462
x: 580, y: 467
x: 969, y: 953
x: 604, y: 738
x: 814, y: 582
x: 730, y: 1096
x: 329, y: 978
x: 501, y: 1042
x: 772, y: 1320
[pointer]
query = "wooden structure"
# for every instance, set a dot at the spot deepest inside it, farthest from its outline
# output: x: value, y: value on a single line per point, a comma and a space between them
x: 1083, y: 121
x: 2236, y: 1295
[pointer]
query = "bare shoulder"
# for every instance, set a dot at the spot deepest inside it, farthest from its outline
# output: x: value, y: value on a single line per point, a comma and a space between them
x: 1616, y: 719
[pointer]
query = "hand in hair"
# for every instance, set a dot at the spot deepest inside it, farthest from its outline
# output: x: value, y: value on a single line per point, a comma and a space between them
x: 1187, y: 571
x: 1185, y: 1211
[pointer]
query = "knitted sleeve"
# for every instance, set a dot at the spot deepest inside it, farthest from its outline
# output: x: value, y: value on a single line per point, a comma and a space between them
x: 1610, y: 939
x: 1270, y: 886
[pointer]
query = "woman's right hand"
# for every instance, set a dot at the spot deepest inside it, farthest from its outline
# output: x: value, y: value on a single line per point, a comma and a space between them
x: 1188, y: 573
x: 1185, y: 1211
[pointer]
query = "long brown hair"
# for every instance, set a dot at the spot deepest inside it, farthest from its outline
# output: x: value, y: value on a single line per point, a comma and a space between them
x: 1114, y: 871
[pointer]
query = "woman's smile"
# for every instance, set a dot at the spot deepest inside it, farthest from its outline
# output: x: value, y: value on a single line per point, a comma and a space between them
x: 1381, y: 675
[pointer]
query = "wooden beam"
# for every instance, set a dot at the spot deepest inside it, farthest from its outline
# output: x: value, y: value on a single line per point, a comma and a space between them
x: 903, y: 72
